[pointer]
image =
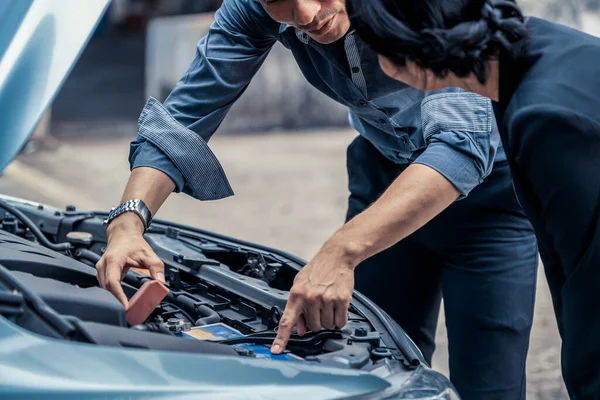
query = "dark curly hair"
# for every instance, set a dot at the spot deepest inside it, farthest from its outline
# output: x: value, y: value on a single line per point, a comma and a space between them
x: 443, y: 36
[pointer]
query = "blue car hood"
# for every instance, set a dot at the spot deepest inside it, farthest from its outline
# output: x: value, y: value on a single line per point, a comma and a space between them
x: 40, y: 41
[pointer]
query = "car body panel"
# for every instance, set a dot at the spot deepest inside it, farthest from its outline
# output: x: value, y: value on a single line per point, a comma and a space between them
x: 32, y: 365
x: 40, y: 41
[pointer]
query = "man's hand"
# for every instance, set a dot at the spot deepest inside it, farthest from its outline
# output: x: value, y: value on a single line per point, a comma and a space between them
x: 320, y: 296
x: 126, y: 248
x: 322, y: 290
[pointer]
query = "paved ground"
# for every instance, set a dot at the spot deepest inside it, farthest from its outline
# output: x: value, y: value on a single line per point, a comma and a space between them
x: 290, y: 193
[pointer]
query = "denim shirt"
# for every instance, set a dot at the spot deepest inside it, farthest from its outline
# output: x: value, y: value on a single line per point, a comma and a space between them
x: 452, y: 131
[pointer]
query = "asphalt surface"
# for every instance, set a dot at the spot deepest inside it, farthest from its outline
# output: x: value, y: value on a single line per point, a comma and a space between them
x: 290, y: 194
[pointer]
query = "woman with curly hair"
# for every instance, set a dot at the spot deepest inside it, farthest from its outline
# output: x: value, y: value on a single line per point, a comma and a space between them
x: 545, y: 81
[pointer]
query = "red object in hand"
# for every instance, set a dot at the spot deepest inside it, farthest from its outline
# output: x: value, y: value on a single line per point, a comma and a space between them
x: 145, y: 301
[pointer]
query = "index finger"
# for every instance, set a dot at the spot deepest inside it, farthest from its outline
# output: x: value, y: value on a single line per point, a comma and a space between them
x: 112, y: 283
x: 286, y: 325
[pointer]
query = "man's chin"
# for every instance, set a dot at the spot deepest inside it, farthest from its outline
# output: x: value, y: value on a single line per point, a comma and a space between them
x: 329, y: 38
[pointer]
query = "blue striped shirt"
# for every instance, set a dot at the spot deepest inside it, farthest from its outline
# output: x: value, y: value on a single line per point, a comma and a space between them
x: 453, y: 132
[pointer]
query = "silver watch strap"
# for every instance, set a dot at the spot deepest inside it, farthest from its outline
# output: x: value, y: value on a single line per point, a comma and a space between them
x: 136, y: 206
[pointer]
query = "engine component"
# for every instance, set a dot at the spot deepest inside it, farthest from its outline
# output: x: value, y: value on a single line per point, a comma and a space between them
x: 224, y: 333
x: 264, y: 352
x: 267, y: 338
x: 108, y: 335
x: 80, y: 239
x: 381, y: 352
x: 257, y: 267
x: 9, y: 223
x: 172, y: 233
x: 34, y: 229
x: 274, y: 318
x: 173, y: 279
x: 159, y: 327
x: 219, y: 292
x: 218, y: 331
x: 209, y: 316
x: 145, y: 301
x: 177, y: 325
x: 212, y: 272
x: 91, y: 304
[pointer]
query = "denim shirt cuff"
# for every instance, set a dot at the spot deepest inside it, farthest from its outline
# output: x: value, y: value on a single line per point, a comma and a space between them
x: 462, y: 144
x: 203, y: 174
x: 458, y: 111
x: 143, y: 153
x: 459, y: 168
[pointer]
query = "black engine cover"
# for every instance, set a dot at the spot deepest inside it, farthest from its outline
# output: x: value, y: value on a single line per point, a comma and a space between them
x: 88, y: 304
x: 67, y: 285
x: 19, y: 254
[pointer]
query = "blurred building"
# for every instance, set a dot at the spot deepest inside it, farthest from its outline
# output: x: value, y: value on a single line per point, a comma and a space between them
x: 134, y: 14
x: 575, y: 13
x: 142, y: 47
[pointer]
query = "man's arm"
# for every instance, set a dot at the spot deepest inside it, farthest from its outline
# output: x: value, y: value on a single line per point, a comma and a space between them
x: 323, y: 289
x: 416, y: 196
x: 226, y: 60
x: 461, y: 135
x: 126, y: 246
x: 171, y: 150
x: 462, y: 142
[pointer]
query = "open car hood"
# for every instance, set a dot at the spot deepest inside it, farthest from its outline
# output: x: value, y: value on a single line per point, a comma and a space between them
x: 40, y: 41
x: 209, y: 337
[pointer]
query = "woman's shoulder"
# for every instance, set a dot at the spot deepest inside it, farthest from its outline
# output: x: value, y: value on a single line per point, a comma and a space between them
x: 553, y: 106
x: 553, y: 99
x: 545, y: 31
x: 553, y: 43
x: 561, y: 70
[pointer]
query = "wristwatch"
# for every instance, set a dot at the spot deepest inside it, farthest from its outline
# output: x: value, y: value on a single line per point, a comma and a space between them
x: 136, y: 206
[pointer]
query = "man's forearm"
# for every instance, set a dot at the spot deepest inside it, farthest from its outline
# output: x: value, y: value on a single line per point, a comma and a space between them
x: 416, y: 196
x: 148, y: 184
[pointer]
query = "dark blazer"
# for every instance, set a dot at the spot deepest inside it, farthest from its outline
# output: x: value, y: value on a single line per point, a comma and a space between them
x: 549, y: 120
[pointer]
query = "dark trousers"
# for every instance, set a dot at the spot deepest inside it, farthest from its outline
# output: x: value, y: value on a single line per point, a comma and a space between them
x: 557, y: 180
x: 481, y: 253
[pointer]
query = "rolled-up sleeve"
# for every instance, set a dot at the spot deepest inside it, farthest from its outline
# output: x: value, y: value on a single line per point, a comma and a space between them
x: 462, y: 137
x: 173, y: 137
x: 143, y: 153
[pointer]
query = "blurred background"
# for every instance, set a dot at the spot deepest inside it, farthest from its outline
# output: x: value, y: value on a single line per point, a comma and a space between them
x: 288, y: 171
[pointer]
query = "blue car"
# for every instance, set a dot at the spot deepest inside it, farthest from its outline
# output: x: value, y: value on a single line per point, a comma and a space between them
x: 63, y: 337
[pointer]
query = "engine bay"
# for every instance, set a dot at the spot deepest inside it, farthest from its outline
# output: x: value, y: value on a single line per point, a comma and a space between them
x: 226, y: 296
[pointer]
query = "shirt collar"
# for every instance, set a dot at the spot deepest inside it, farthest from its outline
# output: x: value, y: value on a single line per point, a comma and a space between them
x: 303, y: 37
x: 283, y: 27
